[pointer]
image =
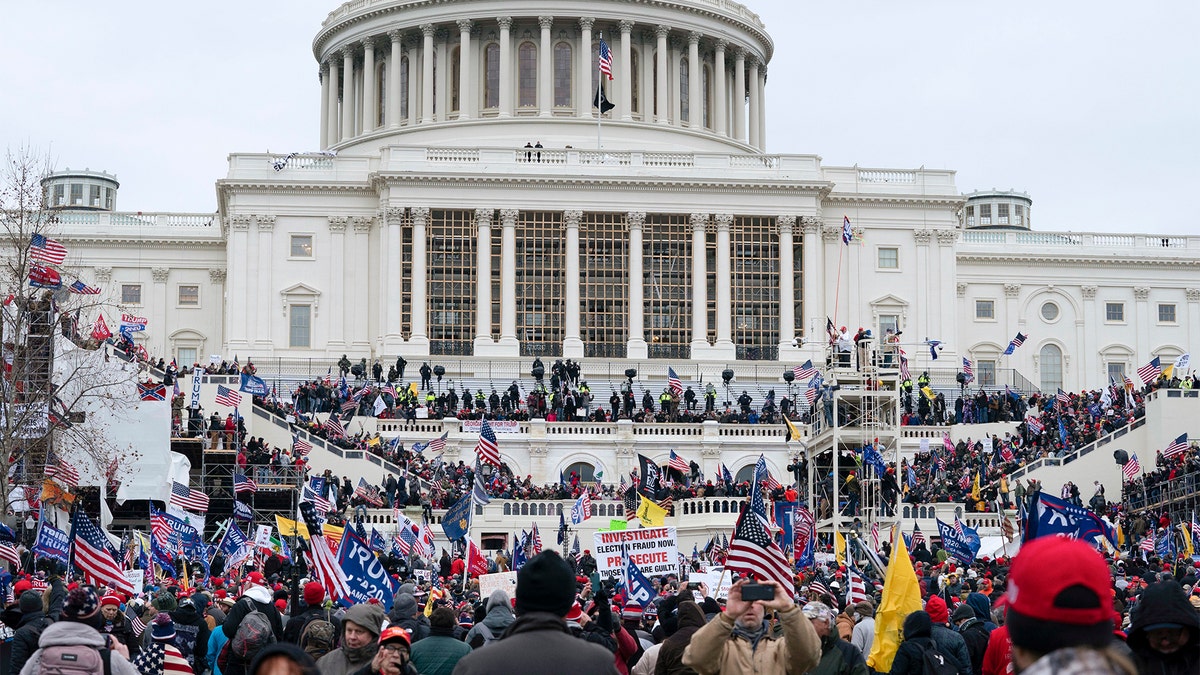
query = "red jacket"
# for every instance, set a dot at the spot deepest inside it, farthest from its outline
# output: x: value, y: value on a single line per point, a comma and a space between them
x: 997, y: 659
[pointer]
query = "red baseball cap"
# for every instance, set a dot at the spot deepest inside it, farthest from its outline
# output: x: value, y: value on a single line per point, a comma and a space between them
x: 1058, y: 596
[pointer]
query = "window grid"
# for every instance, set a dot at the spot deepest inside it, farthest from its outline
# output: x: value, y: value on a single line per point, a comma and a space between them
x: 985, y: 309
x: 301, y: 246
x: 889, y: 258
x: 755, y: 287
x: 1114, y: 311
x: 666, y: 257
x: 1116, y: 371
x: 1166, y: 313
x: 540, y: 263
x: 452, y: 244
x: 1050, y: 365
x: 985, y: 370
x: 604, y: 286
x: 131, y: 294
x: 798, y: 285
x: 406, y: 258
x: 527, y: 75
x: 189, y: 295
x: 300, y: 326
x: 491, y: 67
x: 562, y: 75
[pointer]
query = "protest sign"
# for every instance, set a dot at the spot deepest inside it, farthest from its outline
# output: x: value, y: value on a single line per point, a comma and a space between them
x: 504, y: 581
x: 653, y: 550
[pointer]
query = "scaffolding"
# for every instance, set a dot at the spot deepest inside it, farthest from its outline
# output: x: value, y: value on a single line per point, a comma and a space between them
x: 27, y: 335
x: 278, y: 488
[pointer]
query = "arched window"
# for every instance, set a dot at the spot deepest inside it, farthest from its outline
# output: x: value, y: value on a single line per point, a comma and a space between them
x: 403, y: 93
x: 491, y: 81
x: 685, y: 108
x: 654, y: 86
x: 527, y: 75
x: 708, y: 97
x: 585, y: 471
x: 436, y: 107
x: 455, y: 80
x: 745, y: 474
x: 1050, y: 366
x: 635, y: 98
x: 381, y: 92
x: 562, y: 75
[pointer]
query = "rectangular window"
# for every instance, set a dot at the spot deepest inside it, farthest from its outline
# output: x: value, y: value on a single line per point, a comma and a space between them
x: 1166, y: 313
x: 131, y: 294
x: 1018, y: 214
x: 94, y: 195
x: 1116, y: 372
x: 186, y: 357
x: 985, y: 309
x: 302, y: 246
x: 888, y: 321
x: 985, y: 370
x: 76, y: 194
x: 970, y: 216
x: 1002, y: 214
x: 60, y: 197
x: 189, y: 296
x: 1114, y: 311
x: 889, y: 258
x: 985, y: 214
x: 300, y: 326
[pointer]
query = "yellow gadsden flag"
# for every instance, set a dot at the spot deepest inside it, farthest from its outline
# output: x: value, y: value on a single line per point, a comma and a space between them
x: 290, y: 528
x: 651, y: 514
x: 901, y: 597
x: 839, y: 548
x: 793, y: 434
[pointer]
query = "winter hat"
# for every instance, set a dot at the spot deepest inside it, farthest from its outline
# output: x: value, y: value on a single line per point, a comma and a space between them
x: 110, y: 599
x: 406, y: 605
x: 164, y: 628
x: 936, y: 607
x: 165, y: 602
x: 81, y: 604
x: 21, y: 586
x: 395, y: 634
x: 499, y: 597
x: 30, y: 602
x: 281, y: 605
x: 1058, y: 596
x: 545, y: 584
x: 255, y: 578
x: 632, y: 611
x: 368, y: 616
x: 962, y: 613
x: 917, y: 624
x: 865, y: 608
x: 574, y: 613
x: 314, y: 593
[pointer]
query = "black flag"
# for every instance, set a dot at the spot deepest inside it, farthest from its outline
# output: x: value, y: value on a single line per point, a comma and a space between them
x: 601, y: 101
x: 648, y: 483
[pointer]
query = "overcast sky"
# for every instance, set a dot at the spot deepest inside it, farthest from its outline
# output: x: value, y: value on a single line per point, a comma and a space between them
x: 1090, y: 107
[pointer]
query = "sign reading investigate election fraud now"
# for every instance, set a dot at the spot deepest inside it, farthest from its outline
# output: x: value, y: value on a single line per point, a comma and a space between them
x: 652, y: 549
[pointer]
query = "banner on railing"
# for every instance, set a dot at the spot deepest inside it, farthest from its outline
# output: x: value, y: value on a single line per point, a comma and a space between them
x: 652, y: 549
x: 499, y: 426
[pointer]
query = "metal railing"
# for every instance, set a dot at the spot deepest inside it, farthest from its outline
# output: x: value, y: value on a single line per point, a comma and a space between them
x: 1085, y: 450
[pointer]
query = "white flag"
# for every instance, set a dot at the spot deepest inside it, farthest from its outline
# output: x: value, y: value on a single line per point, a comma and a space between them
x: 262, y: 538
x: 1181, y: 364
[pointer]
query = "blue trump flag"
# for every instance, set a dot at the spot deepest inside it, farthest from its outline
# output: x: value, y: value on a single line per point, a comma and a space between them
x: 962, y: 545
x: 378, y: 543
x: 638, y: 587
x: 1050, y: 516
x: 518, y: 554
x: 366, y: 579
x: 254, y: 385
x: 51, y: 543
x: 457, y: 519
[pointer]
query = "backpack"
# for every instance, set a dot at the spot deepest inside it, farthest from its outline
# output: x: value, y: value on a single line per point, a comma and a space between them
x: 486, y: 633
x: 74, y: 660
x: 316, y: 638
x: 253, y: 633
x: 934, y: 662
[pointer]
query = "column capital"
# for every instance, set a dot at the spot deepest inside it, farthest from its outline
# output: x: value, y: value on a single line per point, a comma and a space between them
x: 239, y: 221
x: 786, y: 224
x: 395, y: 35
x: 739, y: 52
x: 1014, y: 290
x: 831, y: 234
x: 811, y: 224
x: 102, y: 274
x: 362, y: 224
x: 160, y: 274
x: 752, y: 60
x: 662, y: 31
x: 1088, y: 291
x: 393, y: 215
x: 348, y: 53
x: 961, y: 289
x: 545, y: 22
x: 483, y: 217
x: 505, y: 22
x: 420, y: 213
x: 464, y: 25
x: 1192, y: 294
x: 923, y: 237
x: 721, y: 44
x: 586, y: 23
x: 338, y: 223
x: 635, y: 219
x: 693, y: 37
x: 508, y: 217
x: 723, y: 221
x: 265, y: 223
x: 217, y: 275
x: 1141, y: 292
x: 427, y: 30
x: 626, y: 26
x: 945, y: 237
x: 572, y: 218
x: 368, y: 43
x: 699, y: 220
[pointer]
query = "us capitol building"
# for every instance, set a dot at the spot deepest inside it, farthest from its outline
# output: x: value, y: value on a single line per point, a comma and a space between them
x: 468, y: 206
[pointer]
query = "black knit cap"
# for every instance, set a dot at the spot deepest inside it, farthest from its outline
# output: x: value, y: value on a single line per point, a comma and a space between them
x: 545, y: 584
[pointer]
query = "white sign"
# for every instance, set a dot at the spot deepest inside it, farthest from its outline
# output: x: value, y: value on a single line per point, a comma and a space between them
x: 421, y: 575
x: 718, y: 583
x: 214, y: 359
x: 262, y: 538
x: 136, y: 579
x: 504, y: 581
x: 652, y: 549
x: 498, y: 426
x: 196, y: 379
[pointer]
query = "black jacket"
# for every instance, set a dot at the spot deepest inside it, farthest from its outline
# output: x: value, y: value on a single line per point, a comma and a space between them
x: 538, y: 643
x: 295, y: 625
x: 976, y: 635
x: 25, y: 641
x: 191, y: 635
x: 1164, y: 602
x: 234, y: 617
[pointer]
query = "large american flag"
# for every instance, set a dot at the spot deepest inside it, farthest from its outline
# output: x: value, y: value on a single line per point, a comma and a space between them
x: 752, y: 550
x: 186, y: 498
x: 805, y: 372
x: 80, y: 288
x: 1014, y: 343
x: 9, y: 553
x: 227, y: 396
x: 1150, y: 371
x: 488, y: 449
x: 905, y: 373
x: 605, y: 59
x: 243, y: 484
x: 95, y: 557
x: 856, y: 588
x: 1132, y: 468
x: 968, y: 369
x: 918, y: 537
x: 322, y: 561
x: 1062, y: 398
x: 673, y: 382
x: 632, y: 500
x: 46, y: 250
x: 321, y: 504
x: 63, y: 473
x: 334, y: 425
x: 678, y: 463
x: 1177, y: 446
x: 301, y: 447
x: 404, y: 540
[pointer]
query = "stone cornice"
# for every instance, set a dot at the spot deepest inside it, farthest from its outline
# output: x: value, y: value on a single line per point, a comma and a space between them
x: 906, y: 201
x: 157, y: 241
x: 698, y: 184
x: 1008, y: 257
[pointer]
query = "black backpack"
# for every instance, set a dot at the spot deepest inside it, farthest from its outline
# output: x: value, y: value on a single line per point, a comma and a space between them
x: 934, y: 662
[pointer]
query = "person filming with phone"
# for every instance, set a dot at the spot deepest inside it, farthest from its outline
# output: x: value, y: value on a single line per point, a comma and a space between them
x: 740, y: 640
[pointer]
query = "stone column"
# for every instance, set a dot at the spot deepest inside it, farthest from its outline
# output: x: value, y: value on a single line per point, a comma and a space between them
x: 724, y: 294
x: 393, y: 73
x: 739, y: 94
x: 787, y: 282
x: 545, y: 69
x: 752, y: 83
x: 323, y: 76
x: 359, y: 274
x: 239, y: 234
x: 719, y: 103
x: 158, y: 309
x: 465, y: 86
x: 266, y: 285
x: 337, y: 269
x: 1193, y: 304
x: 572, y: 343
x: 585, y: 92
x: 814, y: 275
x: 506, y: 70
x: 483, y: 256
x: 762, y: 109
x: 347, y: 94
x: 508, y: 280
x: 946, y: 285
x: 334, y: 128
x: 419, y: 310
x: 663, y: 105
x: 391, y: 291
x: 368, y: 97
x: 699, y: 284
x: 695, y: 83
x: 1141, y: 295
x: 625, y: 73
x: 636, y: 348
x: 427, y: 30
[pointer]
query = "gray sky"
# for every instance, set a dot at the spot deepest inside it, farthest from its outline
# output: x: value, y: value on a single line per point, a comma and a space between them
x: 1088, y: 106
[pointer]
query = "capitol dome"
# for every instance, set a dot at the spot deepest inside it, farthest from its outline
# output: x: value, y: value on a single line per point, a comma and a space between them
x: 687, y: 75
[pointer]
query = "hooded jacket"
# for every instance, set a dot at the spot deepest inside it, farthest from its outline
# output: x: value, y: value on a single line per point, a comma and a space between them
x: 65, y: 633
x: 910, y: 656
x: 191, y: 635
x: 344, y: 660
x: 1164, y: 602
x: 670, y: 657
x: 538, y: 643
x: 499, y: 617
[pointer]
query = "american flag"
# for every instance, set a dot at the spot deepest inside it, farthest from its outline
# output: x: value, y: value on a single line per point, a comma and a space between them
x: 323, y: 562
x: 367, y: 492
x: 632, y: 500
x: 63, y: 473
x: 958, y: 527
x: 678, y: 463
x: 856, y: 588
x: 80, y: 288
x: 243, y: 484
x: 186, y: 498
x: 905, y: 373
x: 487, y: 449
x: 135, y: 620
x: 1147, y: 544
x: 1195, y: 528
x: 964, y: 482
x: 811, y: 395
x: 1033, y: 424
x: 404, y: 540
x: 968, y: 369
x: 875, y: 535
x: 941, y: 463
x: 7, y: 552
x: 1062, y: 398
x: 752, y: 550
x: 575, y: 548
x: 349, y: 405
x: 606, y: 59
x: 673, y: 381
x: 772, y: 483
x: 334, y: 425
x: 805, y: 372
x: 1150, y: 371
x: 160, y: 529
x: 301, y: 447
x: 1014, y: 343
x: 321, y: 504
x: 1177, y: 446
x: 1132, y: 468
x: 95, y: 557
x: 227, y: 396
x: 44, y: 249
x: 917, y: 536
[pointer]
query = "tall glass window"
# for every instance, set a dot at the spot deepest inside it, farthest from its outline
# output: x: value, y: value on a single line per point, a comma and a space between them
x: 403, y: 93
x: 527, y: 75
x: 451, y: 266
x: 635, y: 81
x: 604, y: 284
x: 562, y: 75
x: 1050, y: 367
x: 300, y: 326
x: 540, y: 283
x: 381, y: 94
x: 455, y: 80
x: 755, y: 284
x: 667, y: 284
x: 685, y: 109
x: 491, y: 80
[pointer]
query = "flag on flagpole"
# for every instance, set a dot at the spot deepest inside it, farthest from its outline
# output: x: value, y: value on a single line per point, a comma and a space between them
x: 1177, y: 446
x: 678, y: 463
x: 488, y: 449
x: 80, y: 288
x: 968, y: 370
x: 1131, y: 469
x: 1015, y: 342
x: 95, y: 556
x: 243, y: 484
x: 673, y: 382
x: 1150, y: 371
x: 227, y: 397
x: 44, y: 249
x: 752, y: 550
x: 186, y: 498
x: 606, y: 59
x: 804, y: 372
x: 323, y: 563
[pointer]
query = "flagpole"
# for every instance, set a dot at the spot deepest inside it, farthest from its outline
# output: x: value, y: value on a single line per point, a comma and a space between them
x: 599, y: 98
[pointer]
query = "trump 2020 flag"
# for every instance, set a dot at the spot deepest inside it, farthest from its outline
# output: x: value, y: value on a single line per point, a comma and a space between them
x: 963, y: 546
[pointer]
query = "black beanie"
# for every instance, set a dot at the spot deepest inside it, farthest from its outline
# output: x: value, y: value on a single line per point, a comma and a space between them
x: 545, y: 584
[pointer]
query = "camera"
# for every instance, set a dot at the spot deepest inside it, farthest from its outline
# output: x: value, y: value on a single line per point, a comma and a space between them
x: 757, y: 592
